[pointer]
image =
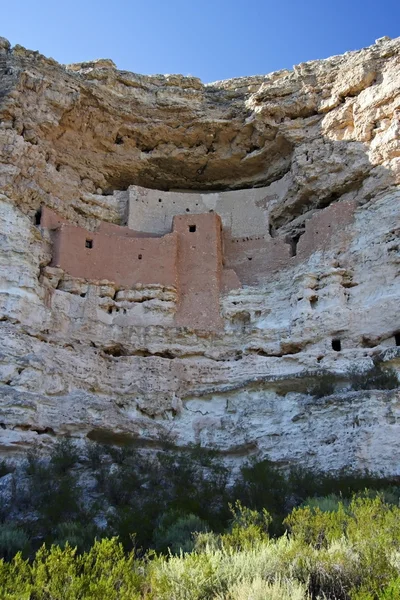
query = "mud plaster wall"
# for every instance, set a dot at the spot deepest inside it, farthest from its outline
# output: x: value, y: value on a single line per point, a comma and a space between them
x: 124, y: 260
x: 189, y: 258
x: 254, y: 258
x: 200, y: 267
x: 241, y: 211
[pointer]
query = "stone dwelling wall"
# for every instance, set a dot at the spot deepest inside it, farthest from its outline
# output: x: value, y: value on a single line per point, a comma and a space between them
x: 199, y: 268
x: 190, y: 259
x: 326, y: 227
x: 241, y: 211
x: 255, y: 258
x: 125, y: 260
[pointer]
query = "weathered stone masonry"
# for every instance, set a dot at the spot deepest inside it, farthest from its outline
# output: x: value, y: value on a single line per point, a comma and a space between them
x: 195, y: 252
x: 189, y: 259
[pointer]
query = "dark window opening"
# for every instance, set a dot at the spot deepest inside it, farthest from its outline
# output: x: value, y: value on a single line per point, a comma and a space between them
x: 336, y: 345
x: 397, y: 338
x: 140, y: 256
x: 83, y: 295
x: 188, y: 210
x: 160, y: 199
x: 192, y: 228
x: 119, y: 140
x: 250, y: 258
x: 89, y: 244
x: 38, y: 216
x: 293, y: 240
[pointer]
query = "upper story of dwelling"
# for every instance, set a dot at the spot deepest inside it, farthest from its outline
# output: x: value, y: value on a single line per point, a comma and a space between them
x: 251, y: 245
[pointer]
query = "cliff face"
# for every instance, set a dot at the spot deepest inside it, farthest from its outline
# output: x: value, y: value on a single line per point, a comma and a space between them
x: 106, y: 362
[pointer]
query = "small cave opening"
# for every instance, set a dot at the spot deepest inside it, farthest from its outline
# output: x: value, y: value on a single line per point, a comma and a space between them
x: 336, y: 345
x: 140, y: 256
x: 192, y: 228
x: 397, y: 338
x: 115, y: 351
x: 38, y: 216
x: 89, y: 244
x: 293, y: 239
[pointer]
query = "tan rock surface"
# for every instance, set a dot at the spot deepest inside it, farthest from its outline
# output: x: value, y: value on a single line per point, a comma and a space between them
x: 92, y: 360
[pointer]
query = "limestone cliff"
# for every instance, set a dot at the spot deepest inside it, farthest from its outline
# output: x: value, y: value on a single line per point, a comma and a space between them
x: 102, y: 361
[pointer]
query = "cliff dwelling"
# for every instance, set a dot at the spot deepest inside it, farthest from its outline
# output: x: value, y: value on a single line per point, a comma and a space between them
x: 195, y: 260
x: 201, y: 245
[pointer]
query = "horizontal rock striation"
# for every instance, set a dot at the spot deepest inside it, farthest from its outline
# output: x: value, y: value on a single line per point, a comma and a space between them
x: 320, y: 275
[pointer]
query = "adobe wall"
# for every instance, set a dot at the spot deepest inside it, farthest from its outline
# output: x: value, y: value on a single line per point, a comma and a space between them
x: 52, y: 220
x: 189, y: 258
x: 199, y: 269
x: 124, y: 260
x: 253, y: 259
x: 325, y: 226
x: 197, y: 258
x: 241, y: 211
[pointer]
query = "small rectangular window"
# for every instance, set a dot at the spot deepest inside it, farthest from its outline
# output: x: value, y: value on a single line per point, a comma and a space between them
x: 192, y: 228
x: 89, y: 244
x: 336, y: 345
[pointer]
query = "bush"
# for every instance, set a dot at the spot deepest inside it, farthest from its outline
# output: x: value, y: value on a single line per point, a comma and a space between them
x: 64, y: 456
x: 177, y: 533
x: 140, y: 489
x: 76, y: 534
x: 248, y: 528
x: 350, y: 553
x: 13, y: 539
x: 259, y: 589
x: 324, y: 504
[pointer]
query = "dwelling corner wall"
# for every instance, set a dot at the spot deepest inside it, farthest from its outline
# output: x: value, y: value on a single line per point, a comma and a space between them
x: 199, y: 271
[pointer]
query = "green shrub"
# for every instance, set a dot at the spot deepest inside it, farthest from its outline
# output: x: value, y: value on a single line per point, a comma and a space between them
x: 259, y: 589
x: 77, y: 534
x: 95, y: 454
x: 13, y: 539
x: 64, y: 456
x: 325, y: 503
x: 312, y: 526
x: 248, y: 528
x: 177, y: 533
x: 349, y: 553
x: 391, y: 592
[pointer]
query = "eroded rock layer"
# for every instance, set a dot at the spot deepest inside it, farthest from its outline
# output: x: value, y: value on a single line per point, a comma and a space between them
x: 319, y: 271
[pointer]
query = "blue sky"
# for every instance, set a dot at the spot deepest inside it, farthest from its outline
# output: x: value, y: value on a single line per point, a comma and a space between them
x: 209, y: 39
